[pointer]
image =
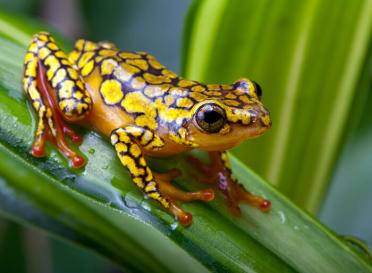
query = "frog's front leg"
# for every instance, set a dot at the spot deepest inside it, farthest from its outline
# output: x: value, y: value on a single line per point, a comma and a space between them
x: 128, y: 142
x: 56, y: 93
x: 218, y: 172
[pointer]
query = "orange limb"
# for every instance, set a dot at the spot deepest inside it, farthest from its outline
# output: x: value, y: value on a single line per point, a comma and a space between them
x: 60, y: 128
x: 173, y: 195
x: 218, y: 173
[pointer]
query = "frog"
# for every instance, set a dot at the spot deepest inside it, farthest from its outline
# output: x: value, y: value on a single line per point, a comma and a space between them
x: 145, y: 110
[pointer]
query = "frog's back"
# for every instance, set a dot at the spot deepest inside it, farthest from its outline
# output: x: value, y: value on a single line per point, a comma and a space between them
x: 124, y: 84
x: 133, y: 88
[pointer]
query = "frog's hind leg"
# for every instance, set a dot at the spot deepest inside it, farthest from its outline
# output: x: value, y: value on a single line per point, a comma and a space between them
x: 218, y: 172
x: 128, y: 142
x: 56, y: 93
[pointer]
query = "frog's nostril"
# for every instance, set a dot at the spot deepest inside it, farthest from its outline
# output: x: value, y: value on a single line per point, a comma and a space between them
x: 252, y: 116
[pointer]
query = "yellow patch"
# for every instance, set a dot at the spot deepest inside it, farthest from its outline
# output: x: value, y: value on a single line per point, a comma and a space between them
x: 213, y: 87
x: 198, y: 96
x: 225, y: 129
x: 169, y: 100
x: 142, y: 64
x: 184, y: 102
x: 172, y: 114
x: 33, y: 48
x: 85, y: 58
x: 212, y: 93
x: 135, y: 130
x: 145, y: 121
x: 53, y: 63
x: 111, y: 92
x: 66, y: 89
x: 139, y: 182
x: 151, y: 187
x: 131, y: 165
x: 36, y: 104
x: 245, y: 99
x: 226, y: 87
x: 142, y: 161
x: 121, y: 147
x: 89, y: 46
x: 43, y: 52
x: 135, y: 102
x: 128, y: 71
x: 135, y: 150
x: 31, y: 69
x: 43, y: 37
x: 123, y: 137
x: 52, y: 46
x: 231, y: 103
x: 65, y: 62
x: 155, y: 144
x: 59, y: 77
x: 29, y: 56
x: 107, y: 52
x: 73, y: 74
x: 198, y: 88
x: 155, y: 64
x: 129, y: 55
x: 153, y: 79
x: 80, y: 84
x: 266, y: 120
x: 230, y: 96
x: 79, y: 44
x: 108, y: 66
x: 87, y: 69
x: 169, y: 73
x: 33, y: 92
x: 67, y: 106
x: 186, y: 83
x: 73, y: 56
x: 78, y: 95
x: 81, y: 108
x: 147, y: 136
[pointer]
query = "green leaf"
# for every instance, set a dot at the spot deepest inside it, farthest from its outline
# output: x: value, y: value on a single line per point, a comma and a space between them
x: 308, y: 57
x: 99, y: 207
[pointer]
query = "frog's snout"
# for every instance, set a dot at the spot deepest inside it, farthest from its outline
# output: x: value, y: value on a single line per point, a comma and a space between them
x: 265, y: 118
x: 259, y: 117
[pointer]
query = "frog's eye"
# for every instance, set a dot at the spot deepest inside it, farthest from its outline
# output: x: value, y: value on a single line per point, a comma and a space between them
x: 257, y: 89
x: 210, y: 117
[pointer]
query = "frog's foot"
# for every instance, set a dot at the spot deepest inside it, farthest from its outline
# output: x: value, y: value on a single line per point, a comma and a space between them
x: 217, y: 172
x: 38, y: 147
x: 52, y: 128
x: 173, y: 194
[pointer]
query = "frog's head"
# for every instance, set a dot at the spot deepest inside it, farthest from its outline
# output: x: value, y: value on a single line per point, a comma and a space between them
x: 229, y: 116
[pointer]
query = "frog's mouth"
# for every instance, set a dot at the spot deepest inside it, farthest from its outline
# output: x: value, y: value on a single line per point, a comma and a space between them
x: 237, y: 134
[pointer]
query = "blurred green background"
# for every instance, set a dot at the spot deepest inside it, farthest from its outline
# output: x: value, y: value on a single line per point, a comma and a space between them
x: 157, y: 27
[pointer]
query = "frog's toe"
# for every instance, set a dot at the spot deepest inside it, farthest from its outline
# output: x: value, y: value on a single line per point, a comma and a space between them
x: 75, y: 137
x: 173, y: 193
x: 257, y: 201
x: 183, y: 216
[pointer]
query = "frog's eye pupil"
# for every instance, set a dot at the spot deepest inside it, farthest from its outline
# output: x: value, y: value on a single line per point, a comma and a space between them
x: 210, y: 118
x: 258, y: 90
